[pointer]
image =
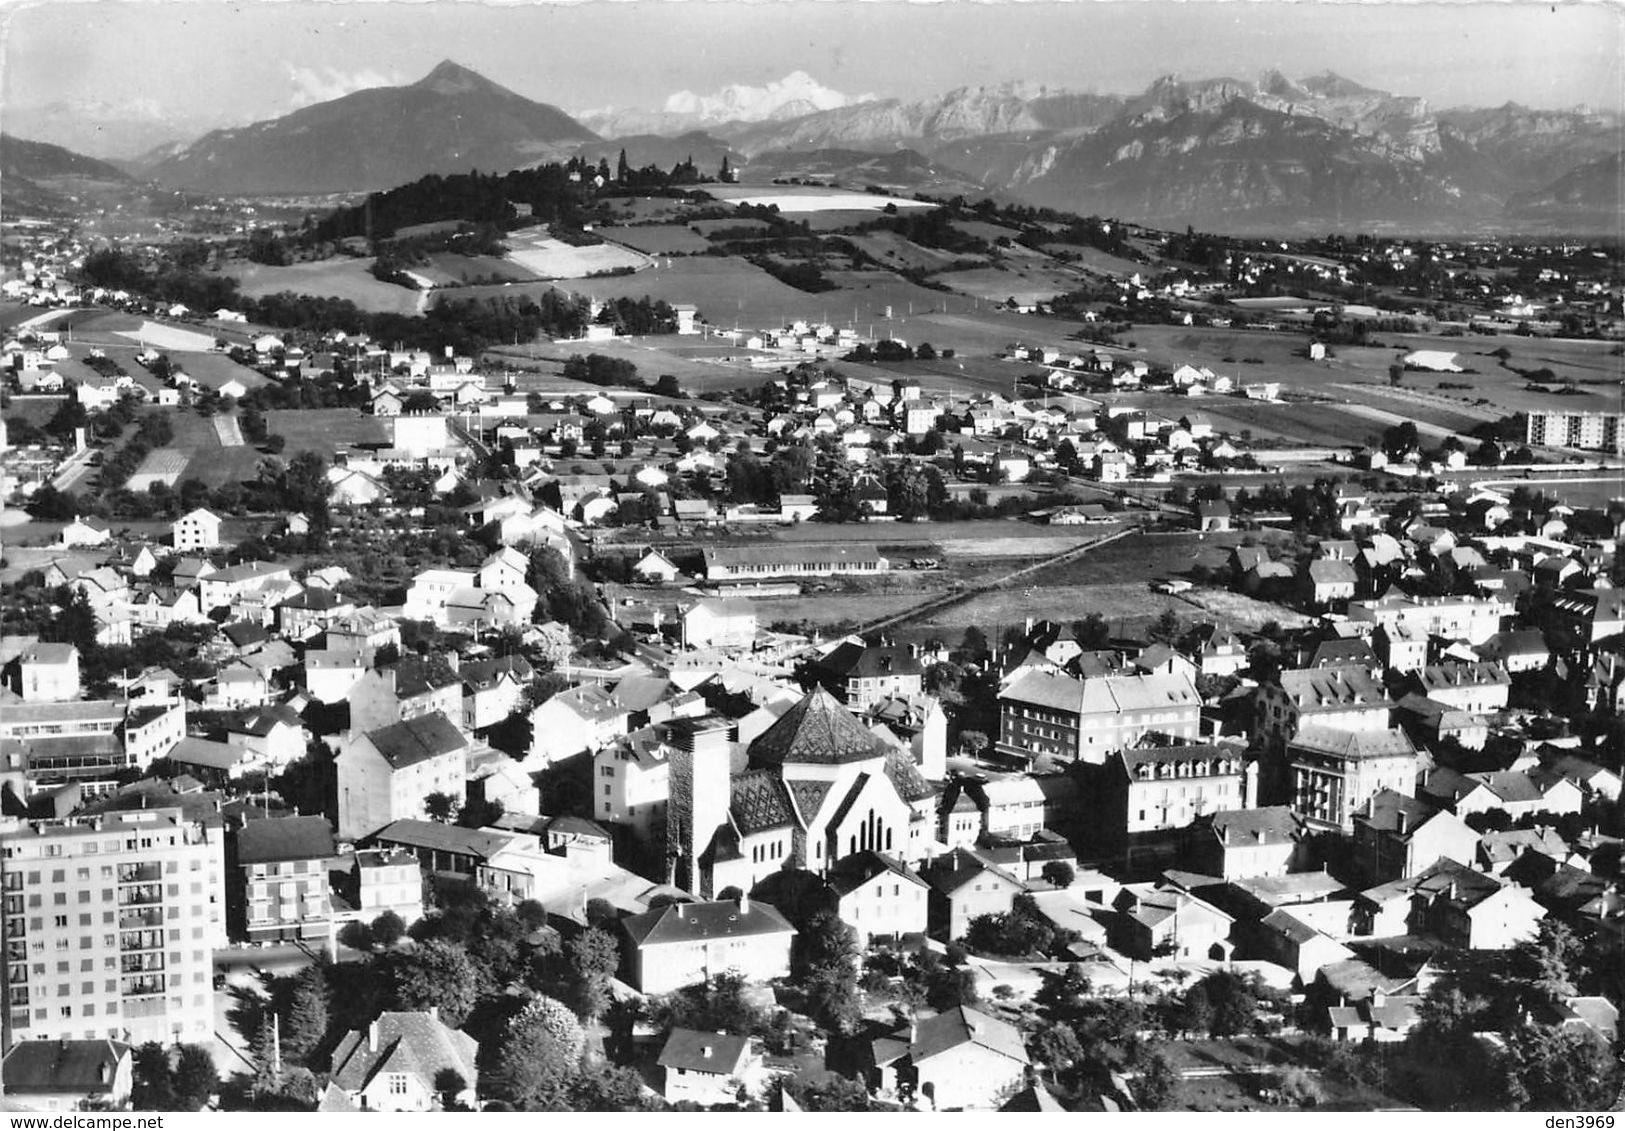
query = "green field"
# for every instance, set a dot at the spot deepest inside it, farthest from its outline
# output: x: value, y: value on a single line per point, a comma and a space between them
x: 726, y: 291
x: 325, y: 430
x: 1028, y: 282
x: 894, y: 251
x: 332, y: 278
x: 659, y: 239
x: 449, y: 269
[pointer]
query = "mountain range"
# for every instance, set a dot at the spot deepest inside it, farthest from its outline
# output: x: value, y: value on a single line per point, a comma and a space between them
x: 38, y: 176
x: 1239, y: 155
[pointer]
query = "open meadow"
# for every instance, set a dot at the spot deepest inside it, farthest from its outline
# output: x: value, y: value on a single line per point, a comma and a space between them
x: 344, y: 278
x: 326, y: 430
x: 448, y: 269
x: 659, y: 239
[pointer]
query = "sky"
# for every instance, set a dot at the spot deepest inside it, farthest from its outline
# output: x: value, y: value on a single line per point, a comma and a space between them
x: 233, y: 61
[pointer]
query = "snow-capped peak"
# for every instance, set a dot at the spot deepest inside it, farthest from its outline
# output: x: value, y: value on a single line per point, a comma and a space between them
x: 798, y: 91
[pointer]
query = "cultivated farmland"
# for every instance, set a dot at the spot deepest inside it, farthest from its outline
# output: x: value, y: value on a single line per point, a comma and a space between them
x: 548, y: 258
x: 809, y: 198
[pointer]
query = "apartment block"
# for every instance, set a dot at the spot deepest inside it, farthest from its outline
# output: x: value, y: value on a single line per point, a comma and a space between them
x: 109, y: 926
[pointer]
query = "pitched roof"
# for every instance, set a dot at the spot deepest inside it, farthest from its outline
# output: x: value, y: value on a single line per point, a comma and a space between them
x: 952, y: 871
x: 1353, y: 744
x: 851, y: 872
x: 759, y: 802
x: 906, y: 777
x: 417, y: 1044
x: 818, y: 730
x: 82, y: 1067
x: 1336, y: 688
x: 692, y: 1050
x: 434, y: 835
x: 276, y: 839
x: 686, y: 922
x: 417, y: 740
x: 1272, y: 824
x: 962, y: 1025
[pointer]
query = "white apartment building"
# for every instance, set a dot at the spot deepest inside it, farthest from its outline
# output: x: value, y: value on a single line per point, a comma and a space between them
x: 109, y: 927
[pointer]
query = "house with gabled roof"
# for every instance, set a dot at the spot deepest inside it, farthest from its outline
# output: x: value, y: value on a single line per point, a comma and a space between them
x: 1235, y: 843
x: 709, y: 1069
x: 1153, y: 917
x: 966, y: 884
x: 585, y: 717
x: 404, y: 1062
x: 682, y: 944
x: 383, y: 775
x: 1396, y: 835
x: 879, y: 896
x: 68, y: 1075
x: 960, y: 1059
x: 196, y: 530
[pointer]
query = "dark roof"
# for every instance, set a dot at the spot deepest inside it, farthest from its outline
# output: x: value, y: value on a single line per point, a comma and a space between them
x: 482, y: 673
x: 696, y: 1051
x: 418, y: 675
x: 1271, y: 824
x: 410, y: 833
x: 962, y: 1025
x: 42, y: 1067
x: 276, y: 839
x: 261, y: 723
x: 417, y: 740
x: 759, y: 802
x: 851, y: 872
x: 416, y: 1044
x: 243, y: 633
x: 1382, y: 812
x: 952, y: 871
x: 722, y: 919
x: 906, y: 777
x: 809, y: 797
x: 817, y: 730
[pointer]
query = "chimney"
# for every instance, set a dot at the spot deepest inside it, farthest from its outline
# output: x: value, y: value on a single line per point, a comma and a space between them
x: 744, y: 905
x: 1402, y: 822
x: 680, y: 911
x: 705, y: 1051
x: 372, y: 1036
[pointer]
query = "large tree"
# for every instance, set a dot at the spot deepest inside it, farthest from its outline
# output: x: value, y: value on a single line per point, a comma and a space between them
x: 593, y: 957
x: 304, y: 1014
x: 538, y: 1052
x: 436, y: 974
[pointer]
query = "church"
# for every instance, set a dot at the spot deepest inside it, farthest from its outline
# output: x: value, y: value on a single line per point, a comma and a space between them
x: 814, y: 787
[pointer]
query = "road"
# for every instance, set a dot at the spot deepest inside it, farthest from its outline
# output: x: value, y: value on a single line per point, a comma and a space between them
x: 73, y: 469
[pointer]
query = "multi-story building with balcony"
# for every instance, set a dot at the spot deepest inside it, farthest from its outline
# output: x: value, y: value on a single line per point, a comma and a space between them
x: 108, y: 927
